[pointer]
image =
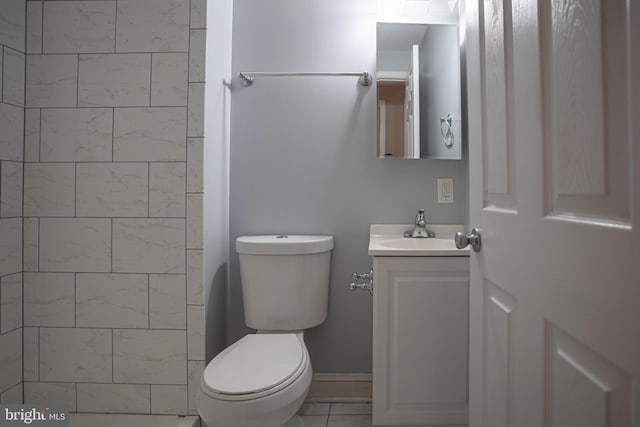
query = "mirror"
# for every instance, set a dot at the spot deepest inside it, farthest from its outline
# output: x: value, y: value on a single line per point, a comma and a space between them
x: 418, y: 85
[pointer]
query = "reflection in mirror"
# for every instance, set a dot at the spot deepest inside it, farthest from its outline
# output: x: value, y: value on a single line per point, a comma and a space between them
x: 418, y: 84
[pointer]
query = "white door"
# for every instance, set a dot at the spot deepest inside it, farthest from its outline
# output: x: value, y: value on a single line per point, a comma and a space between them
x: 412, y: 103
x: 554, y: 149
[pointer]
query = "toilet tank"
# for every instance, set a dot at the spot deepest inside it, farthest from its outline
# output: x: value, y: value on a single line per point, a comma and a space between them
x: 285, y: 280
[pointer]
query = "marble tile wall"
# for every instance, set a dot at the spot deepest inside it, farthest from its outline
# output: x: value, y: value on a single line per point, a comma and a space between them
x: 113, y: 299
x: 12, y: 97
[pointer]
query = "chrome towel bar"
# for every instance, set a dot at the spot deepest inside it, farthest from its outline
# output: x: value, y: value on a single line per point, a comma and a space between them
x: 247, y: 77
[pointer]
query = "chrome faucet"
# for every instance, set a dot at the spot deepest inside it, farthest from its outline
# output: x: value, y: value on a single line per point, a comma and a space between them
x: 420, y: 228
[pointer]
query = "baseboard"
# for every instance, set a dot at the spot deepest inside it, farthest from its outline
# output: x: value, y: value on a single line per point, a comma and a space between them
x: 340, y: 388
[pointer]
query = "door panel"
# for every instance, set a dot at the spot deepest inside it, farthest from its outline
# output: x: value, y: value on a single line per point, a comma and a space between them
x: 587, y: 92
x: 555, y: 290
x: 499, y: 330
x: 412, y: 143
x: 584, y: 388
x: 497, y: 71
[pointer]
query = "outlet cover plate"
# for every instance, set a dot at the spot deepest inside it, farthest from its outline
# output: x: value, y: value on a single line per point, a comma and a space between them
x: 445, y: 190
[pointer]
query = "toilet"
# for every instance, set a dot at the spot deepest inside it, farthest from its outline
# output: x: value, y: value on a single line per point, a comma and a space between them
x: 262, y: 379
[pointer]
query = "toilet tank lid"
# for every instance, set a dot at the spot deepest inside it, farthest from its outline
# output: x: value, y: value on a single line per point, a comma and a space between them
x: 283, y: 244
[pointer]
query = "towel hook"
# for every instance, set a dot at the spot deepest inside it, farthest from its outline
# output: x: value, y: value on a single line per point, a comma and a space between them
x: 447, y: 131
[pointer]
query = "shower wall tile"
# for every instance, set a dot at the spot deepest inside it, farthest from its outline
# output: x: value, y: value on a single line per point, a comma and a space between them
x: 13, y: 77
x: 12, y: 85
x: 149, y: 356
x: 195, y: 332
x: 75, y: 244
x: 52, y: 80
x: 195, y: 370
x: 114, y: 80
x: 63, y: 394
x: 32, y: 135
x: 195, y: 155
x: 169, y: 399
x: 49, y: 189
x: 167, y: 301
x: 1, y: 70
x: 34, y: 27
x: 194, y: 221
x: 114, y: 398
x: 196, y: 110
x: 13, y: 395
x: 153, y: 26
x: 197, y: 53
x: 12, y: 135
x: 150, y: 134
x: 12, y: 24
x: 31, y: 353
x: 195, y: 277
x: 167, y: 183
x: 10, y: 246
x: 112, y: 189
x: 75, y: 354
x: 112, y: 300
x: 198, y: 13
x: 11, y: 359
x: 76, y: 135
x: 10, y: 302
x: 149, y: 245
x: 79, y: 26
x: 10, y: 189
x: 30, y: 243
x: 169, y: 79
x: 49, y: 299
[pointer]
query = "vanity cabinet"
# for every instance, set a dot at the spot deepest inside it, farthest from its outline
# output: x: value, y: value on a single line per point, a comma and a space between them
x: 420, y: 340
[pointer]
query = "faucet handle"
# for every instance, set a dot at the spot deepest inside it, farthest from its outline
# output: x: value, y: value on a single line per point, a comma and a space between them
x: 420, y: 227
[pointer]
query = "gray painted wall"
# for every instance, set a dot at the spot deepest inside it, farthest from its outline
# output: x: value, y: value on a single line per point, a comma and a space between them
x: 303, y: 158
x: 216, y: 171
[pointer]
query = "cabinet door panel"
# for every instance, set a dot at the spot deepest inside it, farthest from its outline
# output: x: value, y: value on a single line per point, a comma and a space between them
x: 420, y: 341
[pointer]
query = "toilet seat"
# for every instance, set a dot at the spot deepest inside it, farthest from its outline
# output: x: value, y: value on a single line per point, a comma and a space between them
x: 255, y: 366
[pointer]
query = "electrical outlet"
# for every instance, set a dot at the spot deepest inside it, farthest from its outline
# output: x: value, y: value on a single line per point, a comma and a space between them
x: 445, y: 190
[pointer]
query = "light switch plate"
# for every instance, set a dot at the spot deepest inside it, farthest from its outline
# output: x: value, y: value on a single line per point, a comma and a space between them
x: 445, y: 190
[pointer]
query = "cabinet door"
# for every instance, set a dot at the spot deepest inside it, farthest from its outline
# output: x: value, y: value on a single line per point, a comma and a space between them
x: 420, y: 340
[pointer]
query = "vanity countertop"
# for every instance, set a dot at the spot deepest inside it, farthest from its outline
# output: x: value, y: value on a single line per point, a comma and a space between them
x: 389, y: 240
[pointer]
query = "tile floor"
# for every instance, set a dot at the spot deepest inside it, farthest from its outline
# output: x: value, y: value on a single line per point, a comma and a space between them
x: 336, y: 414
x: 313, y: 415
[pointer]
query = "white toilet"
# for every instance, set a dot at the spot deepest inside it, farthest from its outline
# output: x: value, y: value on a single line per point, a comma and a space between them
x: 262, y: 379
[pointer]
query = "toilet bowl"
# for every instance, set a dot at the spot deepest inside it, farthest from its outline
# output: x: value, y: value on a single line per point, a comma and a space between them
x: 260, y: 381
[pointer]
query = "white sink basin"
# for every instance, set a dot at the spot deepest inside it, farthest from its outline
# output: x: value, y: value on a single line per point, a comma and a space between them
x: 387, y: 240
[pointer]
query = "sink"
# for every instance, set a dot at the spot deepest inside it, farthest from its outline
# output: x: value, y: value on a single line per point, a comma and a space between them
x: 388, y: 240
x: 416, y: 244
